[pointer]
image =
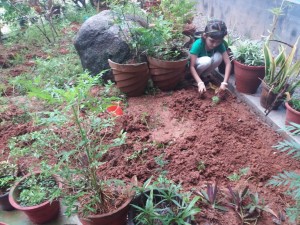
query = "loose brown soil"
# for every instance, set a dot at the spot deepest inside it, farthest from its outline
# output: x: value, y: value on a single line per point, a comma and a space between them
x: 186, y: 131
x: 193, y: 140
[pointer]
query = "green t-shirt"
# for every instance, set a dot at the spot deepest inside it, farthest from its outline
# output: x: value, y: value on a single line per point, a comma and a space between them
x: 198, y: 48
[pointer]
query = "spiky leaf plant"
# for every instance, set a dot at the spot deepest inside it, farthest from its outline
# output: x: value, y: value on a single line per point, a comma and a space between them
x: 290, y: 179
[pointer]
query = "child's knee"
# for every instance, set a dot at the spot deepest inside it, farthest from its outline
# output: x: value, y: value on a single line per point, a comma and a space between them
x: 217, y: 59
x: 203, y: 61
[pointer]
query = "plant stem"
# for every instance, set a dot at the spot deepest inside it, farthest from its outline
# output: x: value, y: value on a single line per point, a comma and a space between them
x: 92, y: 172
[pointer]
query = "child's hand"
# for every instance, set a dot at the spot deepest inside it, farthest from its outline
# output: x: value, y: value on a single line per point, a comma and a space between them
x: 201, y: 87
x: 223, y: 85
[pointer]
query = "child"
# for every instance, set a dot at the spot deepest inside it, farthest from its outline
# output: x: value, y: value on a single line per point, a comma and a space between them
x: 208, y: 52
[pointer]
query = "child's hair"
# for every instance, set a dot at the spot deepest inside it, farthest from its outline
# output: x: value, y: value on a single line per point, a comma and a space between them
x: 216, y: 29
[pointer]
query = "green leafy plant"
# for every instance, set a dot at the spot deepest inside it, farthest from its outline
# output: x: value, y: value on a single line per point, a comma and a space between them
x: 295, y: 103
x: 161, y: 162
x: 77, y: 166
x: 211, y: 197
x: 248, y: 52
x: 162, y: 203
x: 37, y: 189
x: 8, y: 175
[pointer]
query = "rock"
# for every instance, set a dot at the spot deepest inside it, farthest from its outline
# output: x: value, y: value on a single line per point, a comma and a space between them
x: 98, y: 40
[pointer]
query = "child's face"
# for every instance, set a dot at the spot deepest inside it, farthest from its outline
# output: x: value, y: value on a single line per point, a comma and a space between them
x: 212, y: 43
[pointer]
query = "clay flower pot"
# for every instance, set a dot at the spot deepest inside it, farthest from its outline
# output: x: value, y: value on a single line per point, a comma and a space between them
x: 4, y: 203
x: 248, y: 78
x: 166, y: 74
x: 292, y: 115
x: 39, y: 214
x: 117, y: 217
x: 267, y: 98
x: 131, y: 79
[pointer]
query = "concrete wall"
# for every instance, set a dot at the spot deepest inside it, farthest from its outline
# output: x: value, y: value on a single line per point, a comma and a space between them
x: 252, y: 19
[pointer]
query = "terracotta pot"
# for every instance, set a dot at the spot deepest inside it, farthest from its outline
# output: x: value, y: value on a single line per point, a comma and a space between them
x: 267, y: 98
x: 166, y: 74
x: 248, y: 78
x: 292, y: 115
x: 38, y: 214
x: 131, y: 79
x: 4, y: 203
x: 117, y: 217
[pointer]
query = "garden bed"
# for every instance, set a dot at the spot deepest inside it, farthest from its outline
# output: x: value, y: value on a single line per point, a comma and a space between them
x: 197, y: 143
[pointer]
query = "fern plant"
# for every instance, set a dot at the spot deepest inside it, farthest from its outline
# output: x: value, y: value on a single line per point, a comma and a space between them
x: 290, y: 179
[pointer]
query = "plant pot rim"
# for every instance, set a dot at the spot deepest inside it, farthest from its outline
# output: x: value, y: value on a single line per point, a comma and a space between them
x: 127, y: 202
x: 236, y: 62
x: 132, y: 64
x: 180, y: 60
x: 16, y: 205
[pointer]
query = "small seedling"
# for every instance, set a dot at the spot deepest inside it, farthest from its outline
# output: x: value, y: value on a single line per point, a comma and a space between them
x: 136, y: 154
x: 201, y: 165
x: 237, y: 176
x: 215, y: 100
x: 161, y: 162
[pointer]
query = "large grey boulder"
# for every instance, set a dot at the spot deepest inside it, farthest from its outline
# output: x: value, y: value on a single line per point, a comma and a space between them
x: 98, y: 40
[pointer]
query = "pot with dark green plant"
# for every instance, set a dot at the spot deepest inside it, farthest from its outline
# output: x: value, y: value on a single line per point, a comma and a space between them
x: 161, y: 203
x: 95, y: 199
x: 8, y: 175
x: 131, y: 77
x: 292, y: 106
x: 282, y: 75
x: 166, y: 54
x: 36, y: 194
x: 249, y: 66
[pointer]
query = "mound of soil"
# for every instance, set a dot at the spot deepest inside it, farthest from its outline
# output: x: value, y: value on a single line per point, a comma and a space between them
x: 198, y: 142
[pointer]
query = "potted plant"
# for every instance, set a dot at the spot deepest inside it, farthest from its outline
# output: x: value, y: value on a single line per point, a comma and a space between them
x: 131, y: 77
x: 161, y: 203
x: 292, y: 106
x: 166, y: 54
x: 249, y: 67
x: 36, y: 194
x: 8, y: 175
x: 282, y: 72
x: 93, y: 198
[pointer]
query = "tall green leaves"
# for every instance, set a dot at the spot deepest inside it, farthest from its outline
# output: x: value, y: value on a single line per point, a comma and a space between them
x: 281, y: 69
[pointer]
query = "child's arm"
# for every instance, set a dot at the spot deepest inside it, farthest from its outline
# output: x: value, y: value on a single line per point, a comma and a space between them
x: 227, y: 70
x: 201, y: 86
